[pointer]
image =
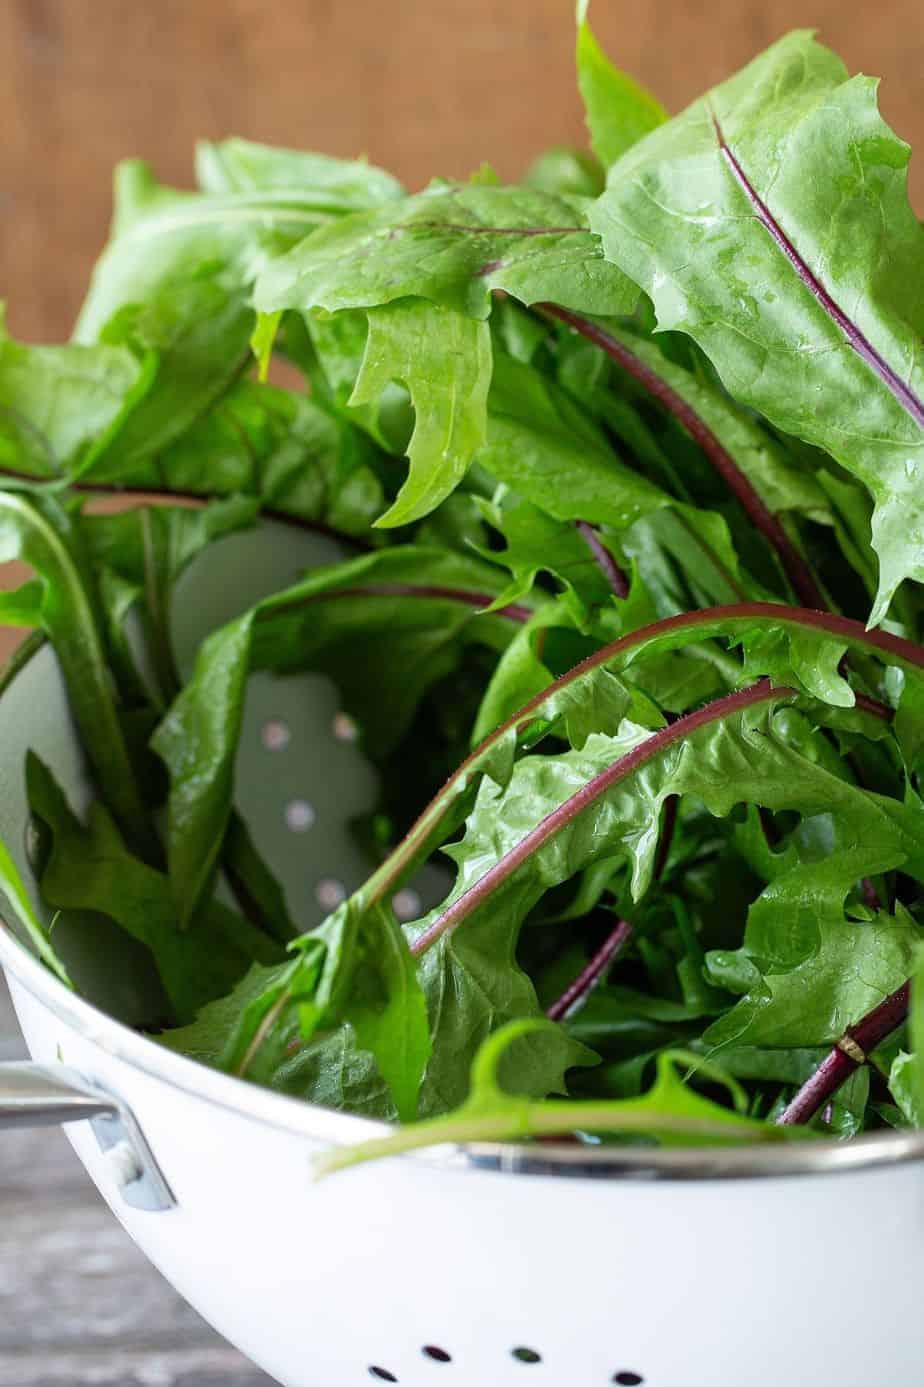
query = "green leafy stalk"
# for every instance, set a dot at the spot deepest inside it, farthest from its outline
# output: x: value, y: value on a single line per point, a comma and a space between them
x: 670, y: 1111
x: 850, y: 1052
x: 565, y: 813
x: 494, y: 754
x: 619, y: 111
x: 37, y: 530
x: 15, y: 889
x: 627, y: 354
x: 386, y: 626
x: 771, y: 222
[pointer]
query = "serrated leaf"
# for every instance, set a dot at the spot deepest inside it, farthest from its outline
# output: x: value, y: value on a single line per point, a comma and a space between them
x: 444, y: 359
x: 618, y: 109
x: 454, y: 246
x: 58, y: 405
x: 771, y: 222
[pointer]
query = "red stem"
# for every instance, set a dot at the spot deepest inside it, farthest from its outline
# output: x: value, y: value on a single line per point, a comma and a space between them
x: 161, y: 494
x: 850, y: 1052
x: 795, y: 567
x: 710, y: 621
x: 854, y: 335
x: 479, y: 600
x: 589, y: 976
x: 564, y: 813
x: 604, y: 560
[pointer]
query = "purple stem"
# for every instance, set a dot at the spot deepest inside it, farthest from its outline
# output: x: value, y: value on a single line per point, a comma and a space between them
x: 866, y: 704
x: 513, y: 612
x: 479, y: 600
x: 603, y: 558
x: 463, y: 906
x: 701, y: 625
x: 589, y: 976
x: 161, y: 495
x: 850, y: 1052
x: 858, y: 341
x: 797, y: 570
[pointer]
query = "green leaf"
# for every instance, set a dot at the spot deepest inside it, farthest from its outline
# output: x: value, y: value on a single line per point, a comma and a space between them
x: 148, y: 549
x: 444, y: 359
x: 671, y: 1111
x: 285, y: 449
x: 37, y: 530
x: 771, y: 222
x: 388, y: 1010
x: 134, y: 676
x: 740, y: 756
x: 164, y: 539
x: 494, y: 755
x: 330, y: 185
x: 619, y: 111
x: 453, y: 245
x: 904, y: 1089
x: 916, y: 1027
x: 196, y: 741
x: 542, y: 445
x: 89, y: 868
x: 262, y: 340
x: 357, y: 973
x: 537, y: 543
x: 173, y: 287
x: 519, y: 676
x: 852, y: 968
x: 17, y: 893
x: 776, y: 477
x: 23, y: 606
x: 58, y: 405
x: 386, y: 627
x: 564, y: 170
x: 471, y: 987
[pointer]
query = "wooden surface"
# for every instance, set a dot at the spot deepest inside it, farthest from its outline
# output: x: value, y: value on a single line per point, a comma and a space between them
x: 79, y: 1304
x: 422, y: 88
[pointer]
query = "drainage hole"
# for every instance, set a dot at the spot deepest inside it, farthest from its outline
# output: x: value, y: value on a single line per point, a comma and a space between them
x: 628, y: 1379
x: 406, y: 904
x: 526, y: 1355
x: 300, y: 815
x: 344, y: 728
x: 275, y: 734
x: 439, y: 1355
x: 382, y: 1374
x: 329, y: 893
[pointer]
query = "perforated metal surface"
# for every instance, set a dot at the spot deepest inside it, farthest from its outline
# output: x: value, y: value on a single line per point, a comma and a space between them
x: 526, y: 1357
x: 301, y: 777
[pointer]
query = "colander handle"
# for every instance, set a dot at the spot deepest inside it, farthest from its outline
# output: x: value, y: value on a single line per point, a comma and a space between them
x: 40, y: 1095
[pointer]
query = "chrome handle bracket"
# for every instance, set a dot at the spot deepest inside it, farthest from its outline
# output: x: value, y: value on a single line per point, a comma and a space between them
x: 39, y: 1095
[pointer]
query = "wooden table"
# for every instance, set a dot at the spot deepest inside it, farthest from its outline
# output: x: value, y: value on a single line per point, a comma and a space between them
x: 79, y: 1304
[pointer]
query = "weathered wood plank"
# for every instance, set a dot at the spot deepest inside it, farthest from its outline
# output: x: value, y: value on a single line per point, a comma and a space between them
x: 126, y: 1367
x: 425, y: 89
x: 79, y: 1304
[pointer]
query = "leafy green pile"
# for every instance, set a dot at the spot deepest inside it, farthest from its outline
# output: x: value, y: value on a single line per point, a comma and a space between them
x: 623, y: 458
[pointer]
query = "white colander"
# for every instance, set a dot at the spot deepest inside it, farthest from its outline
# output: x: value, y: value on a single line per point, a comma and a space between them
x: 541, y: 1267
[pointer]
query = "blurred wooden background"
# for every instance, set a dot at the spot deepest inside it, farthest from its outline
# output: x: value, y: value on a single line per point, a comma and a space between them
x: 422, y: 88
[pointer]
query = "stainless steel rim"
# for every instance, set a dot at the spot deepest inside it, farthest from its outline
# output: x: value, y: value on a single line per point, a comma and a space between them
x: 324, y: 1126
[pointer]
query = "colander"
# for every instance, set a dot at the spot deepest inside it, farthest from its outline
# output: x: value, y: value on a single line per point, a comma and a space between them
x: 543, y: 1266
